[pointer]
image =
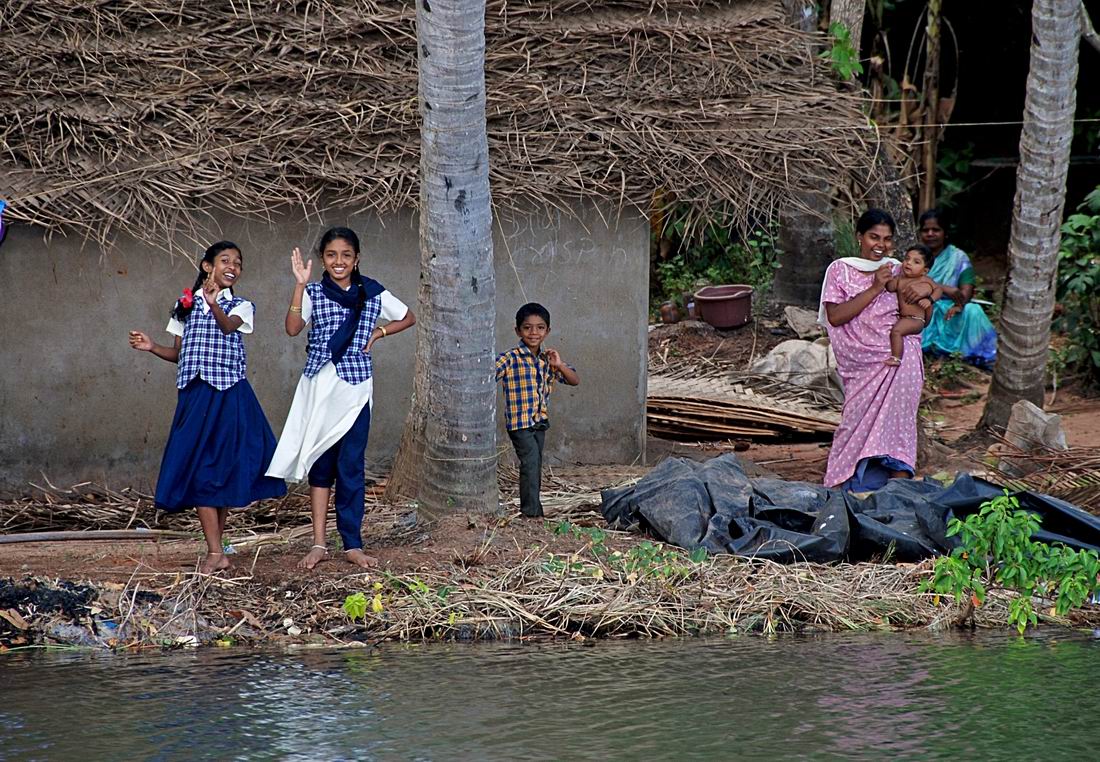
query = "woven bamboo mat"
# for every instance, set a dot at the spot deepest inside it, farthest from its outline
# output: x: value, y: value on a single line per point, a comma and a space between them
x: 731, y: 406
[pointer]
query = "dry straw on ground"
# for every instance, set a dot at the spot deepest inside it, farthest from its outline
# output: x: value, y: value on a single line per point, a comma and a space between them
x: 139, y: 117
x: 538, y: 598
x: 1072, y: 475
x: 599, y: 584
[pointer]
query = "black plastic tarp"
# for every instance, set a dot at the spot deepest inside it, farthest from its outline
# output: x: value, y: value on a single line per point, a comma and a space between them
x: 715, y: 505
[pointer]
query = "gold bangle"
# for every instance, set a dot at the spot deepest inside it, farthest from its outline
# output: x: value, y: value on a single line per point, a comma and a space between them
x: 382, y: 328
x: 297, y: 310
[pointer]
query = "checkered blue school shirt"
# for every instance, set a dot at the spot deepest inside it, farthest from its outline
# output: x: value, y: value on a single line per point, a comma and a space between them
x: 206, y: 352
x: 527, y: 381
x: 325, y: 317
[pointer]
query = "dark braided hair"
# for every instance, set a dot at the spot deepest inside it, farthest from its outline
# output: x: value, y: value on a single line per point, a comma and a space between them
x: 179, y: 312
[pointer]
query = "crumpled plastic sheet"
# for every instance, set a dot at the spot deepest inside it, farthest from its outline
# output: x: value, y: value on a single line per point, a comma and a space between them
x: 716, y: 506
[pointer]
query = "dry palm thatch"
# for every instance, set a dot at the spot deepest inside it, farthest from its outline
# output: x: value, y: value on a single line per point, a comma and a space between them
x: 141, y: 117
x: 1072, y: 475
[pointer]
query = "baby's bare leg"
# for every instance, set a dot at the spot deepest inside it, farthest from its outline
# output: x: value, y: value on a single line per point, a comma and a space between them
x: 906, y: 326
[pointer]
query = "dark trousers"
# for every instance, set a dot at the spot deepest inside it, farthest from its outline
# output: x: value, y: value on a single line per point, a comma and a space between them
x: 528, y: 443
x: 342, y: 464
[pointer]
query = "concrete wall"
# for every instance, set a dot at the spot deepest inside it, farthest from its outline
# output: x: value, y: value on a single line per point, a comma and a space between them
x: 76, y: 403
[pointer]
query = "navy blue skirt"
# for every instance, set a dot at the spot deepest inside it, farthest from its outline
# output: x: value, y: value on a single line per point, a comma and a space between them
x: 218, y: 450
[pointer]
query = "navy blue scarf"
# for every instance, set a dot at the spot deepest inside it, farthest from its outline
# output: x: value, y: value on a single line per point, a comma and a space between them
x: 354, y: 299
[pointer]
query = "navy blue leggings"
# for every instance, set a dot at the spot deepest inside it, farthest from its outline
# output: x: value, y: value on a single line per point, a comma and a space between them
x: 342, y: 465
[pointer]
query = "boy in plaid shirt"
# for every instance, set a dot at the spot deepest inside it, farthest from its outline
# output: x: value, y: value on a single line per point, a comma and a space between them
x: 527, y: 374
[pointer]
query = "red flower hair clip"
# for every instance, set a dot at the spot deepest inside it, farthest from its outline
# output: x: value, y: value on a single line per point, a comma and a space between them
x: 187, y: 299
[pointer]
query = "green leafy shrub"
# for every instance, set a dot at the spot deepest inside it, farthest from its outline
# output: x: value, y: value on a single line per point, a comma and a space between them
x: 1079, y: 287
x: 952, y: 172
x: 713, y: 253
x: 843, y: 55
x: 996, y: 551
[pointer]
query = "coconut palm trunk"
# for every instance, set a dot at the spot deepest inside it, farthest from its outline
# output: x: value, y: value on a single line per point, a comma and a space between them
x: 447, y: 456
x: 1024, y: 328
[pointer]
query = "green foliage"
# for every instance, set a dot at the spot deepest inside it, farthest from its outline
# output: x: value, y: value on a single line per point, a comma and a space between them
x: 1079, y: 287
x: 355, y: 606
x: 843, y: 55
x: 675, y: 278
x: 948, y: 372
x: 713, y: 253
x: 845, y: 235
x: 952, y: 169
x: 648, y: 559
x: 996, y: 550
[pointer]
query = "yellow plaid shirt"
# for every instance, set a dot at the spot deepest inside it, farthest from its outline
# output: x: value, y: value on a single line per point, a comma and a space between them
x: 527, y: 381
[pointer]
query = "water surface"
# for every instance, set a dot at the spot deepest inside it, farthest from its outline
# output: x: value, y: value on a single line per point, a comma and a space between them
x: 856, y: 696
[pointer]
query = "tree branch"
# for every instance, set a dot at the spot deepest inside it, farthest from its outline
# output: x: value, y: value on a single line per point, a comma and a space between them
x: 1087, y: 29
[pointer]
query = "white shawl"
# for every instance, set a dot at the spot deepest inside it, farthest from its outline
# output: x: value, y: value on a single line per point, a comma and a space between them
x: 861, y: 264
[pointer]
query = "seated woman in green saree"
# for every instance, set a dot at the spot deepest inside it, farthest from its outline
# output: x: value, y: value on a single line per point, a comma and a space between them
x: 958, y: 326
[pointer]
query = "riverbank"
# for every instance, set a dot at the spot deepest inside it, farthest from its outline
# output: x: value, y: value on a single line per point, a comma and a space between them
x: 462, y: 578
x: 469, y: 577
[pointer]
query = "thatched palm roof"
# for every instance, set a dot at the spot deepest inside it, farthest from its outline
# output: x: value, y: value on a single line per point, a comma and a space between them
x: 139, y: 115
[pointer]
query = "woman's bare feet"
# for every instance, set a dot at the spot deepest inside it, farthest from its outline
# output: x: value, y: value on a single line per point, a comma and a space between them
x: 315, y: 556
x: 359, y: 558
x: 214, y: 562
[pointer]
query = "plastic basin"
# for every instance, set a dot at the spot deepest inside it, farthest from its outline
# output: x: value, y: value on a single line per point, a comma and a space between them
x: 727, y: 306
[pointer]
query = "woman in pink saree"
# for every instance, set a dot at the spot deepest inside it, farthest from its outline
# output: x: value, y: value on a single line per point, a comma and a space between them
x: 877, y: 436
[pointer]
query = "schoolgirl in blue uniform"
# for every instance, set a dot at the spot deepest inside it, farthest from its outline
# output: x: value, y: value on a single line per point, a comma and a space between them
x: 220, y: 443
x: 325, y: 436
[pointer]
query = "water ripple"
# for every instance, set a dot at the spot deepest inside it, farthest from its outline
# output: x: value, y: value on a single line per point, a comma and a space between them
x: 841, y: 697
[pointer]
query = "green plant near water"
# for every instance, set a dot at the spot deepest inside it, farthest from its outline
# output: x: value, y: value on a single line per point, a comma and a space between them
x: 1079, y: 287
x: 645, y: 560
x: 996, y: 551
x: 355, y: 606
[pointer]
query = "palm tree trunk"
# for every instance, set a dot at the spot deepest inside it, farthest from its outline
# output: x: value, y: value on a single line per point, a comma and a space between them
x: 447, y: 456
x: 1037, y: 211
x: 849, y: 13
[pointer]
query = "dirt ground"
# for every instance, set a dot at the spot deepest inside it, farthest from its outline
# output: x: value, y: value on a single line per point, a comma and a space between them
x: 951, y: 409
x: 401, y: 541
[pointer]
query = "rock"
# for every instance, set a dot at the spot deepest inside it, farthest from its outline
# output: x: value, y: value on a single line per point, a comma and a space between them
x: 804, y: 363
x: 803, y: 322
x: 1030, y: 429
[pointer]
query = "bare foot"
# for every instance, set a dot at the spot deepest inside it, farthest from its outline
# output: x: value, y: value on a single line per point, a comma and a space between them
x: 359, y: 558
x: 214, y: 562
x: 315, y: 556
